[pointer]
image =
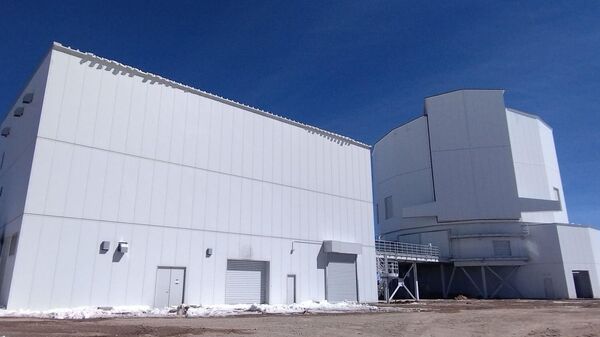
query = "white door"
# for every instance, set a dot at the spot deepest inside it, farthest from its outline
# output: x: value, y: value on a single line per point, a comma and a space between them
x: 169, y: 287
x: 341, y: 278
x: 176, y: 286
x: 246, y: 282
x: 291, y: 289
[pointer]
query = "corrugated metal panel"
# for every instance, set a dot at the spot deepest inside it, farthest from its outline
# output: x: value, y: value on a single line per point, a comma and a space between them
x: 341, y: 278
x: 246, y: 282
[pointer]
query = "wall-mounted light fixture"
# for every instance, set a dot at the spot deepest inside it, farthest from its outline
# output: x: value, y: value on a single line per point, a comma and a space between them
x: 123, y: 247
x: 104, y: 246
x: 19, y: 111
x: 5, y: 132
x: 209, y: 252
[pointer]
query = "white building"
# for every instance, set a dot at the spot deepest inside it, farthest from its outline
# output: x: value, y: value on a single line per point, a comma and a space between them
x: 482, y: 183
x: 119, y: 187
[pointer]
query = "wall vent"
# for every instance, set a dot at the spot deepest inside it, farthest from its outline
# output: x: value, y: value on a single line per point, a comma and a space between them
x: 502, y: 248
x: 19, y: 111
x: 5, y: 132
x: 28, y: 98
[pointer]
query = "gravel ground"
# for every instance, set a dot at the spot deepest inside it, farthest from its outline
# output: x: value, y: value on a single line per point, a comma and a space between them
x: 427, y: 318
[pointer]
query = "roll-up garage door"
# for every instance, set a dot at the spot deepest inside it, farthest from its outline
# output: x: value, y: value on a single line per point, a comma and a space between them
x: 341, y: 277
x: 246, y: 282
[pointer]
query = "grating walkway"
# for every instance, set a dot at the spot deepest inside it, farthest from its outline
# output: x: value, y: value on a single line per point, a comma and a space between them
x: 408, y: 252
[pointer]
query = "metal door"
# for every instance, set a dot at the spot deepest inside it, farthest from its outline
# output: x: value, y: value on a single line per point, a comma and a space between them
x: 291, y: 289
x: 176, y: 286
x: 341, y: 284
x: 583, y: 286
x: 548, y: 287
x: 246, y: 282
x: 169, y: 287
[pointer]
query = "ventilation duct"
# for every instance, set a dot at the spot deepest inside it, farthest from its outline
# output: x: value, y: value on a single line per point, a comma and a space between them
x: 19, y: 111
x: 28, y: 98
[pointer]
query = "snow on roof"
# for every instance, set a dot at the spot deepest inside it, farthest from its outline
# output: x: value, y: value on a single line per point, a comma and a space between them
x: 157, y: 78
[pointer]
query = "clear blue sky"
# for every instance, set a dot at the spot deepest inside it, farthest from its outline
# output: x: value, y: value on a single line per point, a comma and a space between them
x: 358, y: 68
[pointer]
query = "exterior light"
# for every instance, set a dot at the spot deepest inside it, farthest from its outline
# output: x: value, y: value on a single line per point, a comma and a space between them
x: 123, y: 247
x: 105, y: 246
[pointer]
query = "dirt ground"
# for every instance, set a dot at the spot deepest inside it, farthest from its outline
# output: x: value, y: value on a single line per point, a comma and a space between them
x: 427, y: 318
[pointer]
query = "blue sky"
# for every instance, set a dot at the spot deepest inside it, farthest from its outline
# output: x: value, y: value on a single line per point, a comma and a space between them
x: 358, y: 68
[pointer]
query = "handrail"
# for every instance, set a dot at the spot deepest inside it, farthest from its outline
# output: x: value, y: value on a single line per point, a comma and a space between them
x: 407, y: 249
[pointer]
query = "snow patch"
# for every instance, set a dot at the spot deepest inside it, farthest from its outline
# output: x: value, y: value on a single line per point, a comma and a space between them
x: 193, y: 311
x: 296, y: 308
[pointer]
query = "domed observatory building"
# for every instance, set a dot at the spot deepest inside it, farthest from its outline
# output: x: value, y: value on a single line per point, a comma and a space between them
x: 481, y: 182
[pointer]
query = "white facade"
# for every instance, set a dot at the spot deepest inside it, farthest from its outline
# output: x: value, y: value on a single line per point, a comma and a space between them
x: 482, y: 182
x: 186, y: 179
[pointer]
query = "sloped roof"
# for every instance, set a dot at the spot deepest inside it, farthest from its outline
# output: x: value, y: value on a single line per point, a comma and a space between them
x: 526, y: 114
x: 156, y: 78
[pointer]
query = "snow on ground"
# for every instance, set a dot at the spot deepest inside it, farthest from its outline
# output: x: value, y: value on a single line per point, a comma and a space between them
x: 297, y: 308
x: 193, y: 311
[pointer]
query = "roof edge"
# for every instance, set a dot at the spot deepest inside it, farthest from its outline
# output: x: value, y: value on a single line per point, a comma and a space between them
x: 157, y: 78
x: 463, y: 89
x: 412, y: 120
x: 519, y: 112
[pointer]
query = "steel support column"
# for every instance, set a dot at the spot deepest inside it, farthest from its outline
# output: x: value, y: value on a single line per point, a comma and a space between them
x: 402, y: 285
x: 416, y: 275
x: 386, y: 283
x: 484, y: 281
x: 444, y: 294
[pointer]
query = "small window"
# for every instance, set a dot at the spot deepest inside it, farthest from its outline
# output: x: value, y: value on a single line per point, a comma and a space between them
x: 2, y: 160
x: 389, y: 207
x: 377, y: 213
x: 14, y: 241
x: 502, y: 248
x: 28, y: 98
x: 1, y: 190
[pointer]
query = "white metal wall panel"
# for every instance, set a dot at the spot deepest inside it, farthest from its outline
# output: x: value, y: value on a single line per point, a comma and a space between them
x: 464, y: 156
x: 536, y: 165
x: 341, y: 278
x: 251, y: 185
x: 246, y: 282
